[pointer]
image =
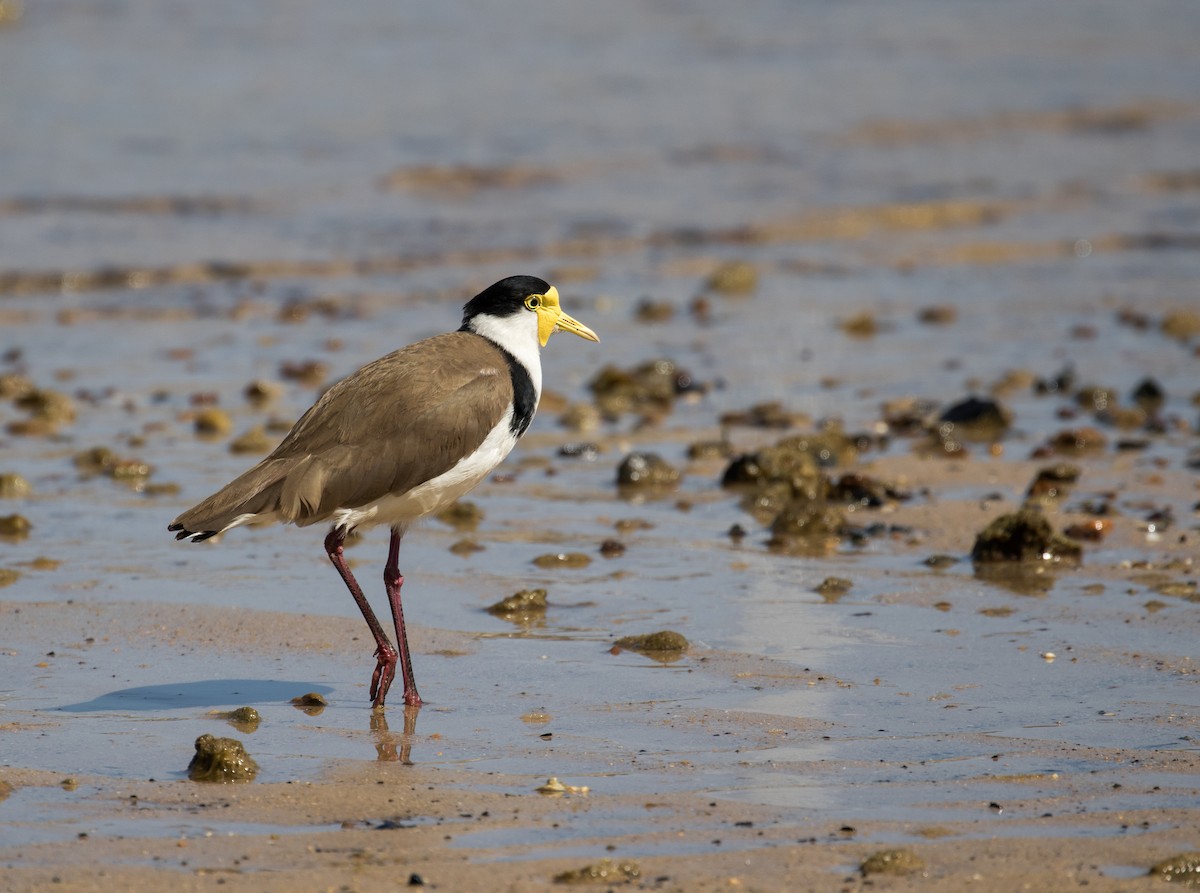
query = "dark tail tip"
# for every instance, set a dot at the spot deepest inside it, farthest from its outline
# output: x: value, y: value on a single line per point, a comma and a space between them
x: 182, y: 533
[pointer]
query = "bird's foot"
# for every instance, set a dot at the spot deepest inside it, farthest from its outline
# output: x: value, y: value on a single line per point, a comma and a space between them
x: 385, y: 672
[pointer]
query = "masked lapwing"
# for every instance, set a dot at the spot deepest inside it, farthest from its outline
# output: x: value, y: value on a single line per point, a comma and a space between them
x: 402, y: 437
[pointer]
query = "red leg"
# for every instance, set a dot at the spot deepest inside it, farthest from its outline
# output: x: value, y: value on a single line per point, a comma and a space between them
x: 385, y: 654
x: 392, y: 580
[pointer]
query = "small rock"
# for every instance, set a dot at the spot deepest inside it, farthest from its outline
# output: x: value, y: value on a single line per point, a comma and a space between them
x: 212, y: 422
x: 861, y: 490
x: 13, y: 486
x: 97, y: 460
x: 563, y: 559
x: 46, y: 405
x: 1024, y: 535
x: 1053, y: 482
x: 834, y: 586
x: 897, y: 861
x: 310, y: 699
x: 1183, y: 868
x: 651, y: 311
x: 940, y: 561
x: 260, y: 393
x: 256, y: 440
x: 1095, y: 529
x: 462, y: 515
x: 605, y: 871
x: 907, y: 415
x: 589, y: 452
x: 527, y: 601
x: 16, y: 526
x: 733, y: 278
x: 307, y: 372
x: 1181, y: 324
x: 1149, y: 395
x: 631, y: 525
x: 646, y: 470
x: 702, y: 450
x: 1186, y: 589
x: 648, y: 390
x: 221, y: 760
x: 554, y: 787
x: 861, y: 325
x: 13, y: 386
x: 975, y: 418
x: 1073, y: 442
x: 807, y: 519
x: 938, y: 315
x: 580, y: 417
x: 1096, y: 398
x: 664, y: 641
x: 770, y: 414
x: 244, y: 719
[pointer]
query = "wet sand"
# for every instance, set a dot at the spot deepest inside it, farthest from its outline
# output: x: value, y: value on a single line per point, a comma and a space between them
x: 846, y: 220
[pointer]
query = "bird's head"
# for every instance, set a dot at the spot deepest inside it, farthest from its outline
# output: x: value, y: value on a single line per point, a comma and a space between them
x: 505, y: 304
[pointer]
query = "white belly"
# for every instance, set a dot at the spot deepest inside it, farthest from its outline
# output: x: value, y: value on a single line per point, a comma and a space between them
x: 397, y: 510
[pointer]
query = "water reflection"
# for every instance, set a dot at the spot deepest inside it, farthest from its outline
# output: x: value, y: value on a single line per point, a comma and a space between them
x: 390, y: 747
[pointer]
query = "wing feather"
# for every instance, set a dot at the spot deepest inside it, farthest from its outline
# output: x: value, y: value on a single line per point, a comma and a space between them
x: 395, y: 423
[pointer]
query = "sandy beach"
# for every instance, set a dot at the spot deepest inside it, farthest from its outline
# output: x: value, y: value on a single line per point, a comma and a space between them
x: 898, y: 312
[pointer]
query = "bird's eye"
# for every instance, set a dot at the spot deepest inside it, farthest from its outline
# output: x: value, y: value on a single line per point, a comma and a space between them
x: 533, y: 302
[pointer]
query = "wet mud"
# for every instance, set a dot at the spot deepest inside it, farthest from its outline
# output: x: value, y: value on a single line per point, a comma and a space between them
x: 861, y: 552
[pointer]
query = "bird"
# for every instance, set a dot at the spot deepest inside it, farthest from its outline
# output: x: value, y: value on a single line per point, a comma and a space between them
x: 404, y: 436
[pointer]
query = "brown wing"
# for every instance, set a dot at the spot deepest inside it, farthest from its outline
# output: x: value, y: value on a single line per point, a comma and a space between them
x: 395, y: 423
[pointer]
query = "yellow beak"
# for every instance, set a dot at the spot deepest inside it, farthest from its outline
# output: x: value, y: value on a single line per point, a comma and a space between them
x: 552, y: 318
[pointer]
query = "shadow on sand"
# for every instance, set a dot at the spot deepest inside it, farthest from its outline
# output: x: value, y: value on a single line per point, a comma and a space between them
x: 208, y: 693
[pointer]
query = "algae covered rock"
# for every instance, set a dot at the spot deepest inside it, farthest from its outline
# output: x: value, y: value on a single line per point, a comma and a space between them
x: 1023, y: 536
x: 1182, y: 869
x: 461, y: 515
x: 312, y: 703
x: 771, y: 414
x: 804, y: 518
x: 1053, y: 482
x: 649, y: 389
x: 898, y: 861
x: 975, y: 418
x: 662, y: 642
x: 563, y: 559
x: 244, y: 719
x: 255, y: 440
x: 833, y: 588
x: 221, y: 760
x: 212, y: 422
x: 646, y: 470
x: 733, y: 278
x: 525, y: 602
x: 605, y: 871
x: 15, y: 526
x: 13, y: 486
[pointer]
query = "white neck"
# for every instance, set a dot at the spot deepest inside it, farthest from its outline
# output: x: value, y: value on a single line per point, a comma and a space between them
x: 518, y: 335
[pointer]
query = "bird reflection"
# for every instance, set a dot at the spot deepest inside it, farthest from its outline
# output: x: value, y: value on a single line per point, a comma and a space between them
x: 390, y: 747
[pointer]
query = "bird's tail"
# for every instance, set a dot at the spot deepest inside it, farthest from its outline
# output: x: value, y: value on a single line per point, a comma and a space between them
x: 253, y: 495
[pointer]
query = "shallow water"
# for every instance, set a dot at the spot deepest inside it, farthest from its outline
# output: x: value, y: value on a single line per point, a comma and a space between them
x: 1043, y: 162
